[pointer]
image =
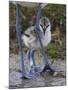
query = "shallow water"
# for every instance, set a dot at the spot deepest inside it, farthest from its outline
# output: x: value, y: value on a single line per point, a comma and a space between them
x: 45, y: 80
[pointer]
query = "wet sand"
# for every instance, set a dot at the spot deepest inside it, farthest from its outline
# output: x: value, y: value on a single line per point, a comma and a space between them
x: 45, y: 80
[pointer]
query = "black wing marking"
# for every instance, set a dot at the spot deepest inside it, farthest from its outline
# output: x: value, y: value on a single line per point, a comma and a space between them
x: 27, y: 35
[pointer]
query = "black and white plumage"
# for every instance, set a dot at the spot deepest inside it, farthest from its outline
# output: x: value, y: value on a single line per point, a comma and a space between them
x: 29, y: 37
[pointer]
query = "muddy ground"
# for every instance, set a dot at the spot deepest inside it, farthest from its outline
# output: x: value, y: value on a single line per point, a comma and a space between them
x: 45, y: 80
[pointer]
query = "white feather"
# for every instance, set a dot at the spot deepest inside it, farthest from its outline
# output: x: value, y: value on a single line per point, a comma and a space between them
x: 33, y: 42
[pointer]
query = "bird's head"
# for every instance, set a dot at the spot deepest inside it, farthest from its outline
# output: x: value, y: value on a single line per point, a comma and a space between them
x: 44, y: 24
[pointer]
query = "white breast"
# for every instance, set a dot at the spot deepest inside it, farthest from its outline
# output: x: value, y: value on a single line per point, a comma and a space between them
x: 33, y: 42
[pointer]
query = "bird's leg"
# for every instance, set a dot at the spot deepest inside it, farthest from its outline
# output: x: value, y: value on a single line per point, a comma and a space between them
x: 33, y: 59
x: 45, y: 60
x: 48, y: 67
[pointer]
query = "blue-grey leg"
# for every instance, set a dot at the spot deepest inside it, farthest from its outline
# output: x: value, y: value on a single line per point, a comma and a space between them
x: 20, y: 42
x: 28, y: 56
x: 37, y: 30
x: 33, y: 59
x: 31, y: 63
